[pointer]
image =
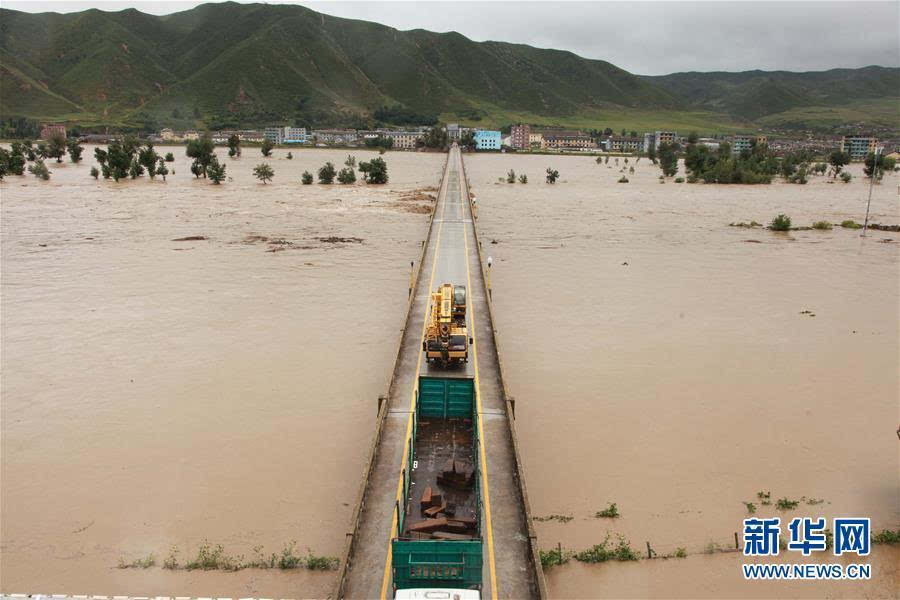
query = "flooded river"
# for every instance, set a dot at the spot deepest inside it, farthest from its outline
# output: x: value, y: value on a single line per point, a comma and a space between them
x: 159, y: 393
x: 675, y: 366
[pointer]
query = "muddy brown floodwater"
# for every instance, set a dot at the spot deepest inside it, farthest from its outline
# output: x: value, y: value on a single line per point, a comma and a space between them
x: 159, y: 393
x: 676, y: 366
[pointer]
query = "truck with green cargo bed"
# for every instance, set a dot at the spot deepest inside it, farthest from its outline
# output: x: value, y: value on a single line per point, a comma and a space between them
x: 438, y: 549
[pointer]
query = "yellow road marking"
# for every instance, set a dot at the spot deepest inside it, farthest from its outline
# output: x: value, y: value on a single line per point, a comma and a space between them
x: 484, y: 472
x: 437, y: 249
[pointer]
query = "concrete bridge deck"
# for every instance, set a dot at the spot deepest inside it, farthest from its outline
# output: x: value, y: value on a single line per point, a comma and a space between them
x: 511, y: 568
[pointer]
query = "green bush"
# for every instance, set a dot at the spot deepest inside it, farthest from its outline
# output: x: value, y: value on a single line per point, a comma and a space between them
x: 603, y: 552
x: 306, y: 178
x: 886, y: 536
x: 327, y: 173
x: 622, y: 179
x: 846, y: 177
x: 552, y: 558
x: 39, y: 170
x: 610, y: 512
x: 786, y: 504
x: 850, y: 224
x: 780, y: 223
x: 823, y: 225
x: 679, y: 180
x: 346, y: 176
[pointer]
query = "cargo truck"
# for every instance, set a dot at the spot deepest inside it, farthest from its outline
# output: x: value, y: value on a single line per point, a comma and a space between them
x: 438, y: 550
x: 446, y: 339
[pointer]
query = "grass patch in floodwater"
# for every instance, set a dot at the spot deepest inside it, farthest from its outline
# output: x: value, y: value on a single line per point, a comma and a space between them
x: 886, y: 536
x: 749, y: 225
x: 751, y: 508
x: 553, y: 558
x: 786, y: 504
x: 610, y: 512
x: 712, y: 548
x: 680, y: 552
x: 139, y: 563
x: 560, y: 518
x: 780, y: 223
x: 603, y: 552
x: 850, y: 224
x: 214, y: 558
x: 823, y: 225
x: 764, y: 498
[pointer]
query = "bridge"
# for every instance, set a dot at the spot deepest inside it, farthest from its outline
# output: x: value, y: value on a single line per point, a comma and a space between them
x: 451, y: 254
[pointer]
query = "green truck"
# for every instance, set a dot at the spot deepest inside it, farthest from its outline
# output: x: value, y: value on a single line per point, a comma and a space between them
x: 439, y: 546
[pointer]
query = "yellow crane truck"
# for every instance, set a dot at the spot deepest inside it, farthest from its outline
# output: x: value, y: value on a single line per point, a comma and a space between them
x: 446, y: 340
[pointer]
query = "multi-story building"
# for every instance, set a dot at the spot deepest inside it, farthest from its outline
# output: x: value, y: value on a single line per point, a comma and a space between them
x: 294, y: 135
x: 191, y: 134
x: 341, y: 137
x: 274, y: 134
x: 657, y: 139
x: 47, y: 131
x: 617, y: 143
x: 536, y: 139
x: 520, y: 136
x: 858, y: 147
x: 404, y: 139
x: 739, y: 143
x: 251, y: 135
x: 167, y: 135
x: 487, y: 140
x: 286, y: 135
x: 568, y: 140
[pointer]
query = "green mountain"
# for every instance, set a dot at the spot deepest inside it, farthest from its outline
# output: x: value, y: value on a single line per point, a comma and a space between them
x: 222, y: 65
x: 250, y: 63
x: 786, y: 99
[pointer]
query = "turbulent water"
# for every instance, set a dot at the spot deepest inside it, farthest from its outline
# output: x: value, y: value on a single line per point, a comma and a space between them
x: 159, y: 393
x: 676, y: 366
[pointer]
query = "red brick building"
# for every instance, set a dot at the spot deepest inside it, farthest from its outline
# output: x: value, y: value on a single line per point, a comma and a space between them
x: 520, y: 135
x: 49, y: 130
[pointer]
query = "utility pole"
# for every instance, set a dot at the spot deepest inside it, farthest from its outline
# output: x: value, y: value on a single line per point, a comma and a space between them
x: 871, y: 183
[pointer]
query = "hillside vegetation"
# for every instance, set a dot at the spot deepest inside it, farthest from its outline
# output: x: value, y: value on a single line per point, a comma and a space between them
x: 228, y: 65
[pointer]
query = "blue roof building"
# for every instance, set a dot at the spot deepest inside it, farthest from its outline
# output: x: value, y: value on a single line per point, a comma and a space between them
x: 487, y: 140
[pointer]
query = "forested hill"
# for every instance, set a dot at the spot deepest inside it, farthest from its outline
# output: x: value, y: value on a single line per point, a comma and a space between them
x: 221, y: 65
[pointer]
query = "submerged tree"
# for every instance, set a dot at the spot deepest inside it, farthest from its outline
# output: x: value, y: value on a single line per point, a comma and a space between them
x: 266, y: 147
x: 39, y: 170
x: 668, y: 159
x: 56, y: 146
x: 201, y: 150
x: 263, y: 172
x: 374, y: 171
x: 327, y: 173
x: 215, y: 171
x: 75, y: 150
x: 346, y: 176
x: 234, y: 145
x: 552, y: 175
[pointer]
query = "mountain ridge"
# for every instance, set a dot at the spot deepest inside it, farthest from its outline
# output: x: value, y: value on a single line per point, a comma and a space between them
x: 230, y: 64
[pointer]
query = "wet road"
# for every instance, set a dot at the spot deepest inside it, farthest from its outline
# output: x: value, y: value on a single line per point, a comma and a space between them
x: 451, y: 257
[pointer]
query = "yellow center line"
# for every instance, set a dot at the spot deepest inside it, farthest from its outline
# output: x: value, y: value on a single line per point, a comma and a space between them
x: 484, y: 472
x: 412, y: 400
